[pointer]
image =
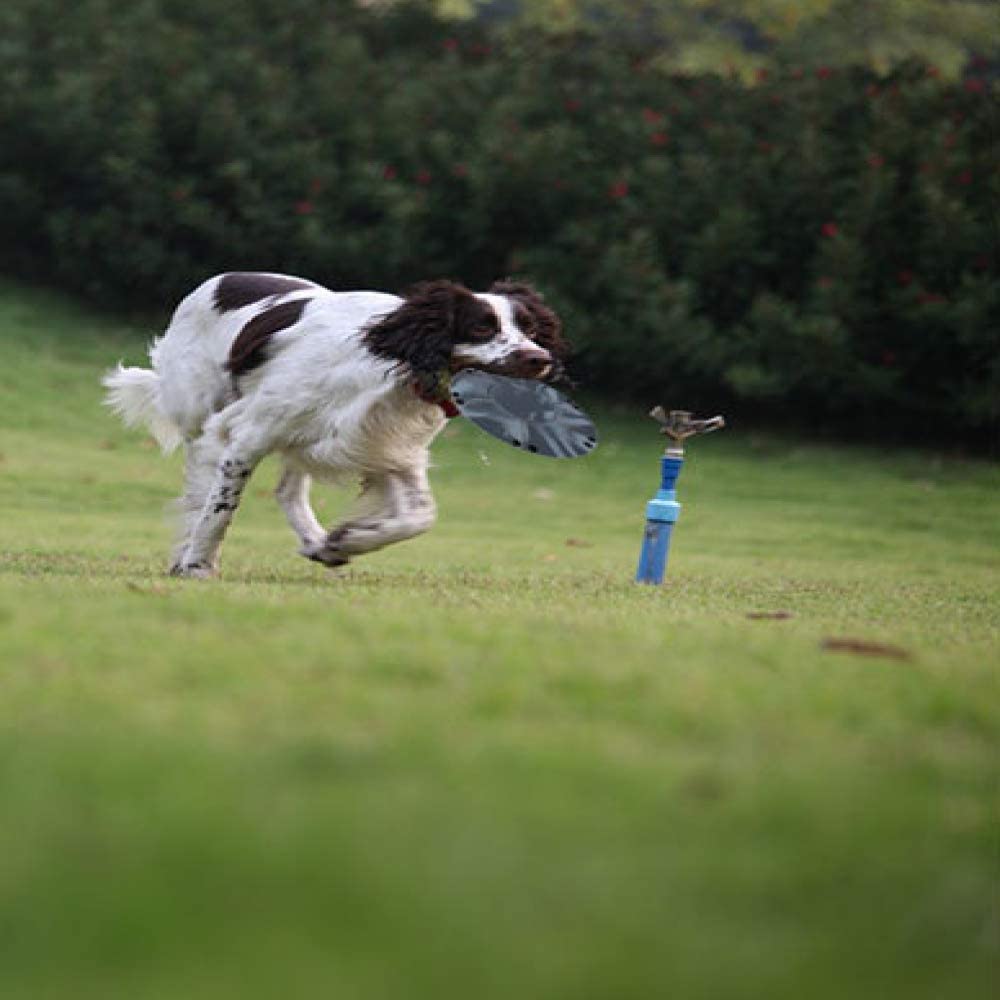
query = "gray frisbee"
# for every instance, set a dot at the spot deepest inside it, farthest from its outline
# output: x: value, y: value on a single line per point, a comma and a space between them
x: 524, y: 413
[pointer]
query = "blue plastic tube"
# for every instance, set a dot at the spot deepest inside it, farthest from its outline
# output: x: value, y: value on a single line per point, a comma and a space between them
x: 661, y: 515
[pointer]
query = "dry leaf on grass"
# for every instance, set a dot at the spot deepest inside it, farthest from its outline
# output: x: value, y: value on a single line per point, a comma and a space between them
x: 863, y: 647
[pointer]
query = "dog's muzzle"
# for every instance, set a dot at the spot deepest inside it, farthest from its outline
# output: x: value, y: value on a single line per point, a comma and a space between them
x: 526, y: 362
x: 534, y: 363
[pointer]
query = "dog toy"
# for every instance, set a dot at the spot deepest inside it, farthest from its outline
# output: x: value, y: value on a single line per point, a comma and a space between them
x: 524, y: 413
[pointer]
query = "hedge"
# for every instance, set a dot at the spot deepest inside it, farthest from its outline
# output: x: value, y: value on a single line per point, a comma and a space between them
x: 819, y: 247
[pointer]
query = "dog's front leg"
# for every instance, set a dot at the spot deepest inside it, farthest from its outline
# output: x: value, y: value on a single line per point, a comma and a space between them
x: 374, y: 507
x: 394, y: 507
x: 292, y: 494
x: 200, y: 556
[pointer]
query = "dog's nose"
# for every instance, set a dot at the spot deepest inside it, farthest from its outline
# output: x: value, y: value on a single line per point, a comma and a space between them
x: 531, y: 362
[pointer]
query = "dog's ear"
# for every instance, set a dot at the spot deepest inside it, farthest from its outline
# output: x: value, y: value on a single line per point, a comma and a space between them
x: 422, y: 332
x: 535, y: 319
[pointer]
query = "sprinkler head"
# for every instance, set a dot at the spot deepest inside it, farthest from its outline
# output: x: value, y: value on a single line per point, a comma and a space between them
x: 679, y: 425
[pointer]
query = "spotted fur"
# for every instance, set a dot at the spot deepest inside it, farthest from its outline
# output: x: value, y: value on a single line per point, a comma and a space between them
x: 245, y: 288
x: 249, y: 347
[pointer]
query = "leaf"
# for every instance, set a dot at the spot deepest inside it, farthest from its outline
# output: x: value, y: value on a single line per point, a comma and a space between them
x: 863, y: 647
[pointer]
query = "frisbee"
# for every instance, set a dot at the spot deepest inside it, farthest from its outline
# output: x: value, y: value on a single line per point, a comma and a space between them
x: 524, y: 413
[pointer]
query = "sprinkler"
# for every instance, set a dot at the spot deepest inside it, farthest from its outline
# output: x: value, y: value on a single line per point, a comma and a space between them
x: 663, y: 510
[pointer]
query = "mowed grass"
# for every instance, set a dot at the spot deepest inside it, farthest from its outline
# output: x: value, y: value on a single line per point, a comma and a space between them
x: 485, y: 763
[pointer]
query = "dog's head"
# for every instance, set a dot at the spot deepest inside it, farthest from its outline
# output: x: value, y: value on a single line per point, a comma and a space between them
x: 442, y: 326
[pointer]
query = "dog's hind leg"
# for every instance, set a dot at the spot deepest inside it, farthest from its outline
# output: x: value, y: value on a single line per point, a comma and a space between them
x: 206, y: 527
x: 201, y: 457
x: 200, y: 556
x: 293, y: 496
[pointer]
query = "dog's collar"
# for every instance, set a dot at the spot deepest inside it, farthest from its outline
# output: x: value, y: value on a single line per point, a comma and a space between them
x: 437, y: 391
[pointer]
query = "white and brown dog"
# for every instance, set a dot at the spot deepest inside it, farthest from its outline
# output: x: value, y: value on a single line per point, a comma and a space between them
x: 340, y: 384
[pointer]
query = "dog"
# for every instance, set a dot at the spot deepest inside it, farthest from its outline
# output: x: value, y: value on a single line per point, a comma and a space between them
x: 342, y: 385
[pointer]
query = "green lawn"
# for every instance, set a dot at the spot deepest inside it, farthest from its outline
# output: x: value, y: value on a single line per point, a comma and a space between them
x: 484, y: 764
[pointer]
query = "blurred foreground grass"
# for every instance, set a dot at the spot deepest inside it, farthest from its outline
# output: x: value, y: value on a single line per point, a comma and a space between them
x: 484, y: 763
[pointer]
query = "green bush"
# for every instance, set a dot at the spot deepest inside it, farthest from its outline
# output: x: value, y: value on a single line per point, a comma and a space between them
x: 816, y: 247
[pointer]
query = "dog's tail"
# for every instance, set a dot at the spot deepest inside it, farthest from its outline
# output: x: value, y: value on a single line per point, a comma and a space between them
x: 134, y: 394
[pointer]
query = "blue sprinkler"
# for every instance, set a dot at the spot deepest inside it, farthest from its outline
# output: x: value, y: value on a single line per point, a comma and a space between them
x: 663, y: 510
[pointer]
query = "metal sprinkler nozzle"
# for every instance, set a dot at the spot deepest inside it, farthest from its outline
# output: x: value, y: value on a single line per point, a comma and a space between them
x: 663, y: 510
x: 679, y: 425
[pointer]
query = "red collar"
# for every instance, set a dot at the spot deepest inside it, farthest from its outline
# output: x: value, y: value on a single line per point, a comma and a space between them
x: 444, y: 400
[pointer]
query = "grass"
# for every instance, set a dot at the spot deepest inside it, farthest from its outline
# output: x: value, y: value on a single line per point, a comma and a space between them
x: 484, y: 763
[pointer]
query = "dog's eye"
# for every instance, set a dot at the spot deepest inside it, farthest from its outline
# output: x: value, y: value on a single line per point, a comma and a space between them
x: 524, y: 320
x: 484, y: 331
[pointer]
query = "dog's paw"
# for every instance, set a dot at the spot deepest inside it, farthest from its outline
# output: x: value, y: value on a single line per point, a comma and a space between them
x: 354, y: 538
x: 193, y: 571
x: 325, y: 554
